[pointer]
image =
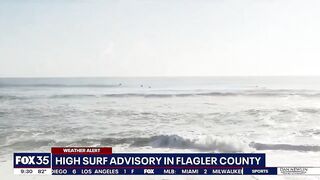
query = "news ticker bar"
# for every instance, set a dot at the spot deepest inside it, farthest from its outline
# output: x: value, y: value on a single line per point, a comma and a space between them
x: 172, y: 171
x: 101, y: 161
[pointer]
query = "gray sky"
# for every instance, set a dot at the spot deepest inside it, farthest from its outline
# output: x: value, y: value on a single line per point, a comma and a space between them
x: 159, y: 37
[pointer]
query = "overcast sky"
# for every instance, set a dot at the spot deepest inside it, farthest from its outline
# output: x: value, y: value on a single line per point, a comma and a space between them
x: 159, y: 37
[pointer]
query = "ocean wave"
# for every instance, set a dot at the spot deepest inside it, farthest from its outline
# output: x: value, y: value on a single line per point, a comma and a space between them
x: 61, y: 85
x: 309, y: 110
x: 175, y: 142
x: 66, y: 96
x: 29, y: 144
x: 310, y: 132
x: 207, y: 144
x: 144, y: 95
x: 178, y: 142
x: 194, y: 94
x: 159, y: 141
x: 284, y: 147
x: 10, y: 97
x: 166, y: 95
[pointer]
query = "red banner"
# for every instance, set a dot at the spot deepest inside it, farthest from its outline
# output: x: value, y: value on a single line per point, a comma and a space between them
x: 81, y: 150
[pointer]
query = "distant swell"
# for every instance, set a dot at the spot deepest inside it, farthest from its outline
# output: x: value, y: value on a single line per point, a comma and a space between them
x: 284, y: 147
x: 144, y: 95
x: 9, y: 97
x: 217, y: 94
x: 60, y: 85
x: 66, y: 96
x: 164, y: 95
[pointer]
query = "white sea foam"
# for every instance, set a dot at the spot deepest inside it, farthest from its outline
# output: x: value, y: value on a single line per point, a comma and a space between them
x: 279, y: 117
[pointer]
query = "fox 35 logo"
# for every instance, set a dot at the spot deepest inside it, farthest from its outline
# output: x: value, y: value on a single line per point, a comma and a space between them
x: 31, y: 160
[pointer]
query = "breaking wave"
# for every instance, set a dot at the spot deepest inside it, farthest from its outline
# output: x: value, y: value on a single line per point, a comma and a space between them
x: 176, y: 142
x: 160, y: 141
x: 207, y: 144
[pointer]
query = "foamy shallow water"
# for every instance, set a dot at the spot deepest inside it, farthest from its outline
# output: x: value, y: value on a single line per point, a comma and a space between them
x: 276, y: 116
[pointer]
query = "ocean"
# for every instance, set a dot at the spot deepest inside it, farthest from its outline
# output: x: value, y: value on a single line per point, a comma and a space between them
x: 279, y: 116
